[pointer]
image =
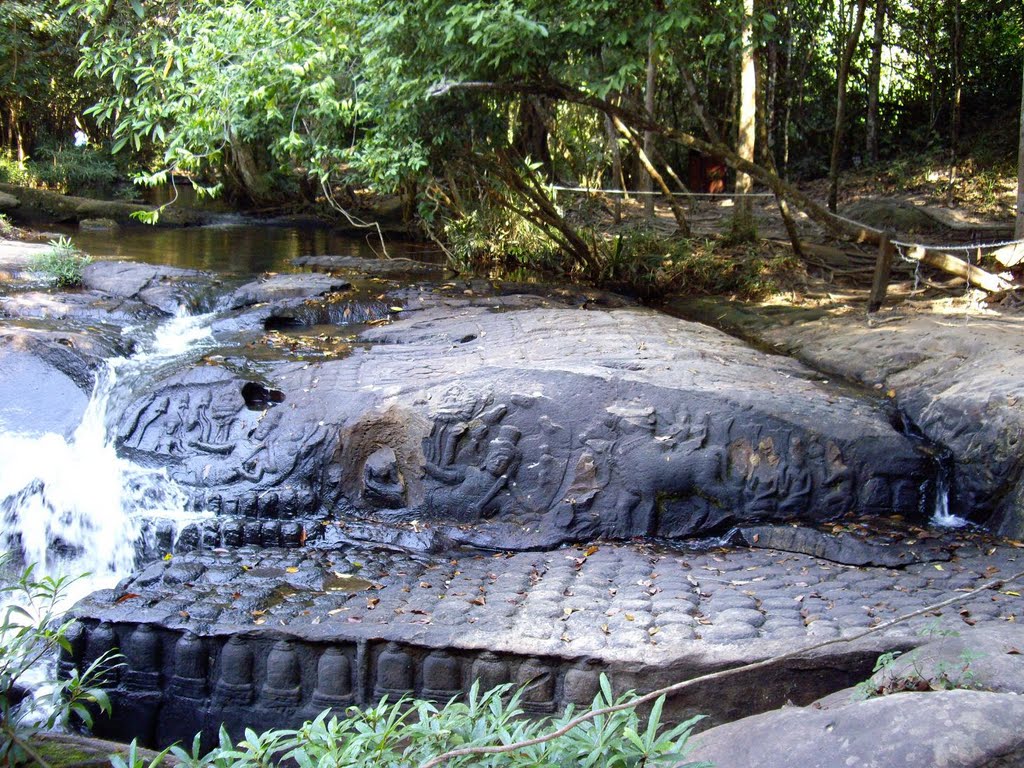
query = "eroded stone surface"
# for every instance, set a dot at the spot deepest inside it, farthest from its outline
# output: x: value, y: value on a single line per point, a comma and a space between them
x: 958, y: 729
x: 523, y: 429
x: 959, y: 378
x: 260, y: 636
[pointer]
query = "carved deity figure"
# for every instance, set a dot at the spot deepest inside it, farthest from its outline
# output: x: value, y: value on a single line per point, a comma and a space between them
x: 468, y: 490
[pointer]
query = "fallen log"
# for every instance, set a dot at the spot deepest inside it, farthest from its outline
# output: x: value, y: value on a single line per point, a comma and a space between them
x: 1009, y: 255
x: 44, y: 205
x: 946, y: 262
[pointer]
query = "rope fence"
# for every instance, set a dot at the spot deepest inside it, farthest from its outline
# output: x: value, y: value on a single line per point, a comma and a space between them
x: 932, y: 254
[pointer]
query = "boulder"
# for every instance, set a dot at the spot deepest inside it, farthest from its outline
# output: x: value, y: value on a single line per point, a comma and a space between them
x: 46, y: 381
x: 274, y: 288
x: 502, y: 424
x: 165, y: 288
x: 956, y: 729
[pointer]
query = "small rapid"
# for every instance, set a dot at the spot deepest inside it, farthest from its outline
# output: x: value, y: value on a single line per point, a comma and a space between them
x: 73, y: 506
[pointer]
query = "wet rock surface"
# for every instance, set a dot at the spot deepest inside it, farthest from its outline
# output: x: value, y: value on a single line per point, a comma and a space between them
x: 391, y: 515
x: 262, y: 623
x: 958, y: 378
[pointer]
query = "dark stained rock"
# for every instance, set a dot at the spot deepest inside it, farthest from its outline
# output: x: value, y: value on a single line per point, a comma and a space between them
x: 524, y: 429
x: 165, y: 288
x: 957, y: 729
x: 275, y: 288
x: 202, y: 631
x: 844, y: 548
x: 364, y: 266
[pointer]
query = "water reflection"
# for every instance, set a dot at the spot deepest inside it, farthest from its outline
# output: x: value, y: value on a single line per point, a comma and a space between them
x: 234, y: 247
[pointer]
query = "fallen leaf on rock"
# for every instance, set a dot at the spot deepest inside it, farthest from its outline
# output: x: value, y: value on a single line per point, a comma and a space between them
x: 1013, y: 652
x: 260, y: 620
x: 1011, y: 593
x: 291, y: 569
x: 604, y: 628
x: 371, y: 603
x: 126, y: 596
x: 478, y: 601
x: 355, y: 619
x: 592, y: 549
x: 183, y: 614
x: 336, y: 611
x: 630, y: 617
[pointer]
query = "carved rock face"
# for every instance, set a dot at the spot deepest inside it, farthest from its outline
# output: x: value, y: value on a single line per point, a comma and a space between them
x: 528, y: 428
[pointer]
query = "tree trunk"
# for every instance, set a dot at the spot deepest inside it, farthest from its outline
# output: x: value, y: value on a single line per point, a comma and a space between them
x: 743, y: 221
x: 532, y: 134
x: 841, y: 80
x: 874, y: 82
x: 677, y: 211
x: 645, y: 175
x: 955, y: 117
x: 769, y: 159
x: 1019, y: 231
x: 613, y: 143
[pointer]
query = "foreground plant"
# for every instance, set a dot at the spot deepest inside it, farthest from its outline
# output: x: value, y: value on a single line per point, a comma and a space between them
x: 31, y: 635
x: 414, y: 732
x: 63, y: 262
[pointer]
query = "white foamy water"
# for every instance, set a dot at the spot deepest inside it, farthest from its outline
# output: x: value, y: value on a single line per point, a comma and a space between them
x: 73, y: 506
x: 941, y: 516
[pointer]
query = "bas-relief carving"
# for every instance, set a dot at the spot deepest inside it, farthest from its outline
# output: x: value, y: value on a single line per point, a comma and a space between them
x: 576, y: 466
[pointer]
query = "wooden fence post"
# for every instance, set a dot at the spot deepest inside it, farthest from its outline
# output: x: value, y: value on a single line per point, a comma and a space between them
x: 882, y: 269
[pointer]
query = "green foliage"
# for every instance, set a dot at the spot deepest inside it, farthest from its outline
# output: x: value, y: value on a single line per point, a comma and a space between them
x: 63, y: 262
x: 412, y: 731
x: 641, y: 260
x: 13, y: 171
x: 31, y: 634
x: 6, y: 228
x: 74, y: 170
x: 491, y: 239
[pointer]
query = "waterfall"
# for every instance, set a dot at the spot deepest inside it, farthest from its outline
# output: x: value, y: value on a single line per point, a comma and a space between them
x: 72, y: 506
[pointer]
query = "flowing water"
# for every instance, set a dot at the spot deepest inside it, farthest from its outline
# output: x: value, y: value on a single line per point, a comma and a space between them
x: 73, y: 506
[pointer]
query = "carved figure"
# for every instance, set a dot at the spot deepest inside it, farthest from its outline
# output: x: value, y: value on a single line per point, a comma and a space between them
x: 382, y: 481
x: 474, y: 488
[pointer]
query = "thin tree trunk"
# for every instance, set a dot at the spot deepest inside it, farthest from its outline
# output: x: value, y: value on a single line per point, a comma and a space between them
x: 874, y: 82
x: 769, y: 159
x: 841, y: 81
x: 648, y: 148
x: 613, y: 143
x: 1019, y: 231
x: 677, y: 211
x: 743, y: 221
x: 955, y: 108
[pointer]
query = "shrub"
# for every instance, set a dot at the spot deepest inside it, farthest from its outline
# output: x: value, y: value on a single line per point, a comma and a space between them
x: 31, y: 634
x: 63, y: 262
x: 491, y: 238
x: 411, y: 732
x: 13, y: 171
x: 74, y: 170
x: 652, y: 264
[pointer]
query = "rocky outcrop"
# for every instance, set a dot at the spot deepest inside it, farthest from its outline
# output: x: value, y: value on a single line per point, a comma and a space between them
x: 526, y: 429
x: 958, y: 729
x: 40, y: 205
x: 957, y: 378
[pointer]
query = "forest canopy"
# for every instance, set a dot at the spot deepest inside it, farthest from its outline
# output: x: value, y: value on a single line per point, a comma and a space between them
x: 459, y: 106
